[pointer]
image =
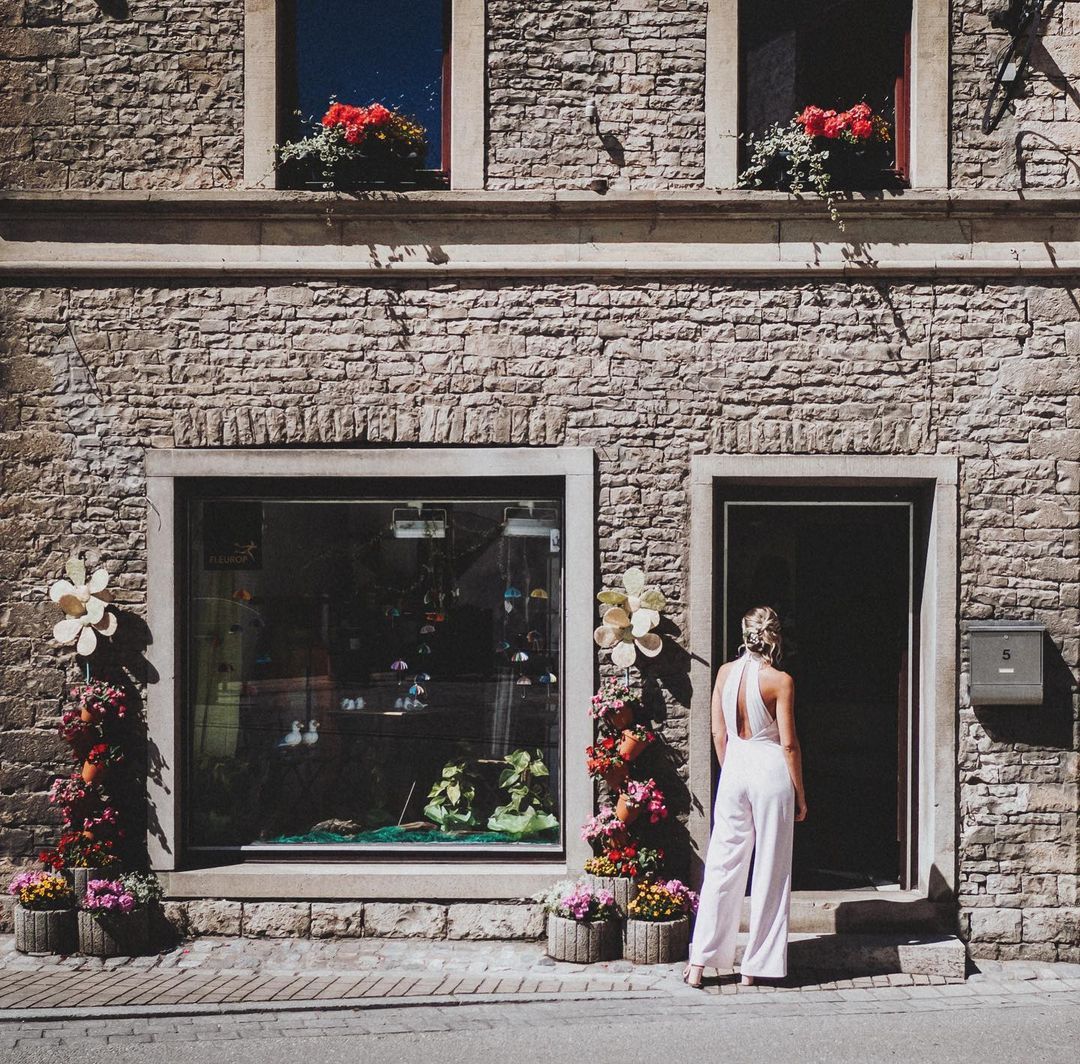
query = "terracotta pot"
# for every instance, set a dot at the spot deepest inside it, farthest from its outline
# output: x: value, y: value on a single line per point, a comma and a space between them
x: 621, y: 718
x: 626, y: 812
x: 49, y: 931
x: 114, y: 934
x: 615, y: 776
x: 622, y: 887
x: 89, y: 716
x: 93, y: 771
x: 631, y: 747
x: 656, y: 941
x: 582, y: 942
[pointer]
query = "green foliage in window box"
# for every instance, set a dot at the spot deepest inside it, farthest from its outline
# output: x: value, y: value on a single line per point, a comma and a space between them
x: 452, y: 799
x: 528, y: 812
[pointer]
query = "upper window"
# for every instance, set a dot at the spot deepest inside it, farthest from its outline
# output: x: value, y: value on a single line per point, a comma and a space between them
x: 832, y: 54
x: 374, y: 670
x: 361, y: 52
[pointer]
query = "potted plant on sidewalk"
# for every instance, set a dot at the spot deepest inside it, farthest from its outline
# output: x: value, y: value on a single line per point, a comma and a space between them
x: 44, y: 913
x: 112, y: 923
x: 657, y: 929
x: 582, y: 923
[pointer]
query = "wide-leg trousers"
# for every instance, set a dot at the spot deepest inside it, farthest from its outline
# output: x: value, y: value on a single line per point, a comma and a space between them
x: 754, y: 811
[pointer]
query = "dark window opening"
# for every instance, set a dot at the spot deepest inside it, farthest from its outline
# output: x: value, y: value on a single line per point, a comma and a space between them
x: 362, y: 52
x: 829, y: 53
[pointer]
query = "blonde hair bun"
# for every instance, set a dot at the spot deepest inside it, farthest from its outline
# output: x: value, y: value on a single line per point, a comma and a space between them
x: 761, y: 633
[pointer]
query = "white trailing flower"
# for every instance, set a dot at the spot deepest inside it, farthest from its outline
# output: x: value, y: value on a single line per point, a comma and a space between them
x: 84, y: 602
x: 628, y: 622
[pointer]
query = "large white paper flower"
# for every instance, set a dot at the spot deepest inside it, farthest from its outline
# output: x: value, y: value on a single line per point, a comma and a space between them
x: 84, y: 602
x: 628, y: 622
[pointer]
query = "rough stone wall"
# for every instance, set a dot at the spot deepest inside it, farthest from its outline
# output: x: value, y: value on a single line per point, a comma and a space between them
x: 111, y: 95
x: 1037, y: 143
x: 642, y: 61
x: 648, y: 374
x: 116, y: 95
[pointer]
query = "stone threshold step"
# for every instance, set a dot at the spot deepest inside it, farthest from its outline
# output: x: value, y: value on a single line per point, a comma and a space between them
x: 865, y: 911
x: 874, y: 954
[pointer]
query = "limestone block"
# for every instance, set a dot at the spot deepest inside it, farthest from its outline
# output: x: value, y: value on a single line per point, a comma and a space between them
x: 269, y: 919
x: 404, y: 920
x: 495, y: 921
x: 995, y: 925
x: 1060, y: 926
x: 204, y: 917
x: 337, y: 920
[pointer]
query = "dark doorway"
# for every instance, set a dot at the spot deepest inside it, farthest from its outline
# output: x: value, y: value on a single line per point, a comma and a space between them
x: 839, y: 576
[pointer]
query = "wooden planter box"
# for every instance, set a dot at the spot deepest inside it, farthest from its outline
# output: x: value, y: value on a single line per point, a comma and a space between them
x: 656, y: 941
x: 114, y: 934
x: 45, y: 931
x: 624, y: 889
x: 582, y: 942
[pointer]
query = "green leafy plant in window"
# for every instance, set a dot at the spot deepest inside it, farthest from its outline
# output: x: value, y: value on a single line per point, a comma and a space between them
x: 528, y: 811
x: 451, y: 798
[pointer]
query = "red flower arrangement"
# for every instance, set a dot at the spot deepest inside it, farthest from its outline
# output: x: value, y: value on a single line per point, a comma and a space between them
x: 373, y: 141
x: 857, y: 125
x: 633, y: 860
x: 604, y: 756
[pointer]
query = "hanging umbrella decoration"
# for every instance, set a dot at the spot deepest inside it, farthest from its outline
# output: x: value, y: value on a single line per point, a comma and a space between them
x: 628, y: 620
x: 84, y: 603
x: 510, y: 595
x: 399, y: 667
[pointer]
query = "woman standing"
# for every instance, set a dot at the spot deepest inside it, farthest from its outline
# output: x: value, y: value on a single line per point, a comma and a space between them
x: 759, y: 798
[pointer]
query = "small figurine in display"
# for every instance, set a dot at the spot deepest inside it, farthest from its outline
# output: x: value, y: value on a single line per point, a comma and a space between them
x: 311, y: 736
x: 295, y: 736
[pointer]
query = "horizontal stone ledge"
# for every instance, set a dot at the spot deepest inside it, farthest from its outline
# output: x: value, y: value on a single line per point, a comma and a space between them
x: 16, y: 269
x: 538, y: 203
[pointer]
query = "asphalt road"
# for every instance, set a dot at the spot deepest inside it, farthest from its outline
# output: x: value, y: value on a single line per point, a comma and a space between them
x: 1032, y: 1029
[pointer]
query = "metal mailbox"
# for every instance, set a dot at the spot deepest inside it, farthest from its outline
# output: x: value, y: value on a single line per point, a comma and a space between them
x: 1006, y: 662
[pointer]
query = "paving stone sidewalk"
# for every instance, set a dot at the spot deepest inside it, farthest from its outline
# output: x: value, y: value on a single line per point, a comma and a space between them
x: 253, y: 975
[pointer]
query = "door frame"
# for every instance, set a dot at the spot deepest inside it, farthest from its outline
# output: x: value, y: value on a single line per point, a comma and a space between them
x: 907, y: 719
x: 933, y: 697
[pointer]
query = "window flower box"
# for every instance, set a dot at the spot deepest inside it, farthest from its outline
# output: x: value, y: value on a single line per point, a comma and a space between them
x: 356, y: 148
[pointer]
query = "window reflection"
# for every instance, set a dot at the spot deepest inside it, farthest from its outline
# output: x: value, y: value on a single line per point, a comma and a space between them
x: 360, y: 671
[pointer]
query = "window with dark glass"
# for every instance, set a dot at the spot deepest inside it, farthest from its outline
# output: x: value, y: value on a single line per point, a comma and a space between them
x: 362, y: 52
x: 374, y: 671
x: 831, y: 54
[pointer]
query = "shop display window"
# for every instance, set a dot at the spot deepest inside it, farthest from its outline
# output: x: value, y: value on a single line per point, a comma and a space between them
x: 377, y: 671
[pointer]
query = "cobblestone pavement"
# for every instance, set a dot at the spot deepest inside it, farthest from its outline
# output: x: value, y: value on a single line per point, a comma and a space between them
x: 234, y: 989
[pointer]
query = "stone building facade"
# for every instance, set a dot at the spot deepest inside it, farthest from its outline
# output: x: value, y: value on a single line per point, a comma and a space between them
x: 596, y: 291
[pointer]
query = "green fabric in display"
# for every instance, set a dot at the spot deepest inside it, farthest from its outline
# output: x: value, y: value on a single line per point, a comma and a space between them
x: 400, y: 835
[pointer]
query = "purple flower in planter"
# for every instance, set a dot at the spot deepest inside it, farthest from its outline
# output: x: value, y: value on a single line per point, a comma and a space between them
x: 107, y: 895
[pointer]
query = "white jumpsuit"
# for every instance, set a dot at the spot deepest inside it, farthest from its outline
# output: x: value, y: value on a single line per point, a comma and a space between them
x: 755, y: 804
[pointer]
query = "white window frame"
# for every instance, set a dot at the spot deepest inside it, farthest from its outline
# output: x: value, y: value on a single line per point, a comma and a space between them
x: 490, y: 875
x: 929, y: 117
x: 467, y: 93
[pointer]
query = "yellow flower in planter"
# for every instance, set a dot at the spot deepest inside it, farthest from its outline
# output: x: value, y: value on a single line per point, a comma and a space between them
x: 628, y: 622
x: 83, y: 601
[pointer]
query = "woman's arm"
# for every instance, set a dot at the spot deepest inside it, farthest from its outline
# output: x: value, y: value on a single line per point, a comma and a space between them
x: 719, y: 725
x: 789, y: 741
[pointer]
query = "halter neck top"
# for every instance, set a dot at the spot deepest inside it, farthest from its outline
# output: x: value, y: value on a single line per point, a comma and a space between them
x: 763, y: 728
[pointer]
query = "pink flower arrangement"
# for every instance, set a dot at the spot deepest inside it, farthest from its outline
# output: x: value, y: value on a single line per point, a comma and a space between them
x: 682, y: 893
x: 578, y: 901
x: 603, y: 827
x: 615, y: 699
x: 646, y: 794
x: 107, y: 895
